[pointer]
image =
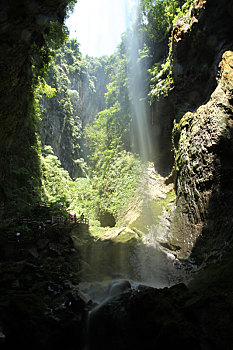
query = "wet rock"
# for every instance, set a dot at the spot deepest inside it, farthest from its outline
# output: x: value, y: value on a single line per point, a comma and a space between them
x: 55, y: 249
x: 203, y: 147
x: 164, y: 318
x: 118, y: 286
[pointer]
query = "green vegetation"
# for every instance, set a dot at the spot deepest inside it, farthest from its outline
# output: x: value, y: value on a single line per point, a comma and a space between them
x: 116, y: 187
x: 68, y: 124
x: 93, y: 167
x: 111, y: 192
x: 55, y: 180
x: 110, y: 172
x: 101, y: 146
x: 156, y: 24
x: 24, y: 62
x: 64, y: 116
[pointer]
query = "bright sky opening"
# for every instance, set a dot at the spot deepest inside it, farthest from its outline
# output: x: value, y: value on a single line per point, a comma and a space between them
x: 98, y: 24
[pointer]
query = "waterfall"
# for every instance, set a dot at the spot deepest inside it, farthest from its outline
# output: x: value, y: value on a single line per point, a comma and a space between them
x: 105, y: 264
x: 153, y: 266
x: 144, y: 265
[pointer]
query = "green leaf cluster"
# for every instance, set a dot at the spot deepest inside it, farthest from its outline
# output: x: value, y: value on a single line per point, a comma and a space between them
x: 58, y: 187
x: 112, y: 173
x: 109, y: 133
x: 113, y: 168
x: 157, y: 18
x: 75, y: 80
x: 117, y: 186
x: 156, y: 22
x: 104, y: 139
x: 55, y: 180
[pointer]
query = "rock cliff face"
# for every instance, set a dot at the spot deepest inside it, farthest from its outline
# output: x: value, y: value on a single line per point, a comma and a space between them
x: 79, y: 97
x: 204, y: 168
x: 24, y: 25
x: 198, y: 45
x: 200, y: 105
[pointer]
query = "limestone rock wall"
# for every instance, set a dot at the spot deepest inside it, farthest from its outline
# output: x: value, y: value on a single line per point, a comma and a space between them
x: 79, y: 97
x: 204, y: 185
x: 201, y: 108
x: 198, y: 45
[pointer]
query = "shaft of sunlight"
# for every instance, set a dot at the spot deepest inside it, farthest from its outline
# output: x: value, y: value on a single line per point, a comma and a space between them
x: 140, y: 108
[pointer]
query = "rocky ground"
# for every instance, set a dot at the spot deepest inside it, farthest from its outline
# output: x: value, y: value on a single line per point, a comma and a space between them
x: 163, y: 318
x: 41, y: 306
x: 39, y: 303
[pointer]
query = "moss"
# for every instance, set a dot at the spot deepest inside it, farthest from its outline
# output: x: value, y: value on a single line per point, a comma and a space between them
x: 150, y: 213
x: 126, y: 236
x: 97, y: 231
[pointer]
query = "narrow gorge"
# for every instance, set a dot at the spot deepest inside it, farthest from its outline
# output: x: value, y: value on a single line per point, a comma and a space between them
x: 116, y: 180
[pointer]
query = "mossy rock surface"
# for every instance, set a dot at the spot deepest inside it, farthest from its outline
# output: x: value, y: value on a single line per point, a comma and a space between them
x: 151, y: 212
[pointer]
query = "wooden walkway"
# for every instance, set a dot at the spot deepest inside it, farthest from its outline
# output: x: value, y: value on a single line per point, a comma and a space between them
x: 39, y: 231
x: 39, y: 224
x: 53, y: 220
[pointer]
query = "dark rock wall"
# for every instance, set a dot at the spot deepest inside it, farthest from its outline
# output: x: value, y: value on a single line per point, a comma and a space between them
x: 204, y: 150
x: 40, y: 307
x: 23, y: 25
x: 200, y: 106
x: 198, y: 45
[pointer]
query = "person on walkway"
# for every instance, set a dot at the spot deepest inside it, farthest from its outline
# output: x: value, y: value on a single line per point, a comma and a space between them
x: 75, y: 218
x: 82, y: 217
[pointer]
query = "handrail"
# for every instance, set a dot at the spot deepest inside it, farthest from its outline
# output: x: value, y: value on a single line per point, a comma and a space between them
x: 54, y: 219
x: 82, y: 221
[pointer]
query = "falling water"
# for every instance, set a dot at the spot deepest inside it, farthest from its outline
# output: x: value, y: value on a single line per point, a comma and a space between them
x: 151, y: 264
x: 118, y: 269
x: 139, y: 262
x: 145, y: 262
x: 110, y: 269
